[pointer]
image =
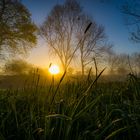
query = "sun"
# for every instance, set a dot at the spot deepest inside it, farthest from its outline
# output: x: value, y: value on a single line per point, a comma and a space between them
x: 54, y: 69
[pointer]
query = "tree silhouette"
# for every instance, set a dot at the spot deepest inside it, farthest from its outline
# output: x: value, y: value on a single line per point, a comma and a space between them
x: 132, y: 11
x: 17, y: 32
x: 68, y: 30
x: 17, y: 66
x: 93, y: 41
x: 59, y: 31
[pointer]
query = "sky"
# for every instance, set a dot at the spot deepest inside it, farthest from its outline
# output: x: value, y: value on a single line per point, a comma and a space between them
x: 105, y: 13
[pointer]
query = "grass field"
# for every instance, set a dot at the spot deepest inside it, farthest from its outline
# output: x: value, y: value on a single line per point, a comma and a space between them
x: 71, y: 110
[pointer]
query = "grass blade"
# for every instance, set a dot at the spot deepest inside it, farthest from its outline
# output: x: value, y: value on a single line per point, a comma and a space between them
x: 114, y: 133
x: 59, y: 116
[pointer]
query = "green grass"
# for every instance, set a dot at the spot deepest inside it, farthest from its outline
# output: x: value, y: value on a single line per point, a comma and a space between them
x: 71, y: 110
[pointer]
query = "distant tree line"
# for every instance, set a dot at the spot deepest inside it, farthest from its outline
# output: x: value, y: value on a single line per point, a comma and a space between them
x: 17, y: 66
x: 123, y: 64
x: 71, y: 35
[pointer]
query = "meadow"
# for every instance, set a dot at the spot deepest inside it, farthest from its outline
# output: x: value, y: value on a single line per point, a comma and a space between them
x: 82, y: 109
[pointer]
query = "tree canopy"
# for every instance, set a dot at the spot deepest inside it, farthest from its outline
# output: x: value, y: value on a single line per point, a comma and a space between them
x: 59, y: 30
x: 17, y: 66
x: 17, y: 31
x: 69, y: 31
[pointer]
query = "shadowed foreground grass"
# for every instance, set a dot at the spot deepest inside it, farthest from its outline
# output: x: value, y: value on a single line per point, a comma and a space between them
x: 79, y: 110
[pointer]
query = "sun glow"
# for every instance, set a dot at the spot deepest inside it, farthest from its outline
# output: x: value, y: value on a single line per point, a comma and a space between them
x: 54, y: 69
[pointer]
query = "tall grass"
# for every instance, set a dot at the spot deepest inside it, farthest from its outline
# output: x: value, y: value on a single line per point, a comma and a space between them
x: 71, y: 110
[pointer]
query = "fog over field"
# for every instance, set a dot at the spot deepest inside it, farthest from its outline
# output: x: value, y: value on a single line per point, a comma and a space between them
x: 69, y: 70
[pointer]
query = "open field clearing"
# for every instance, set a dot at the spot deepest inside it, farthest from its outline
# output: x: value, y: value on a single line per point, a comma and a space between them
x: 72, y: 111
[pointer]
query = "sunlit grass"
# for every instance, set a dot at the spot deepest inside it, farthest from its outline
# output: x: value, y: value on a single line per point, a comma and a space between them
x: 73, y: 111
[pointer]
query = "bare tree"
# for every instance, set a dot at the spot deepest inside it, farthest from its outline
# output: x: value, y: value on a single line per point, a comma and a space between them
x: 119, y: 64
x: 68, y: 30
x: 59, y: 31
x: 93, y: 42
x: 112, y: 63
x: 135, y: 62
x: 132, y: 11
x: 90, y: 40
x: 17, y: 32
